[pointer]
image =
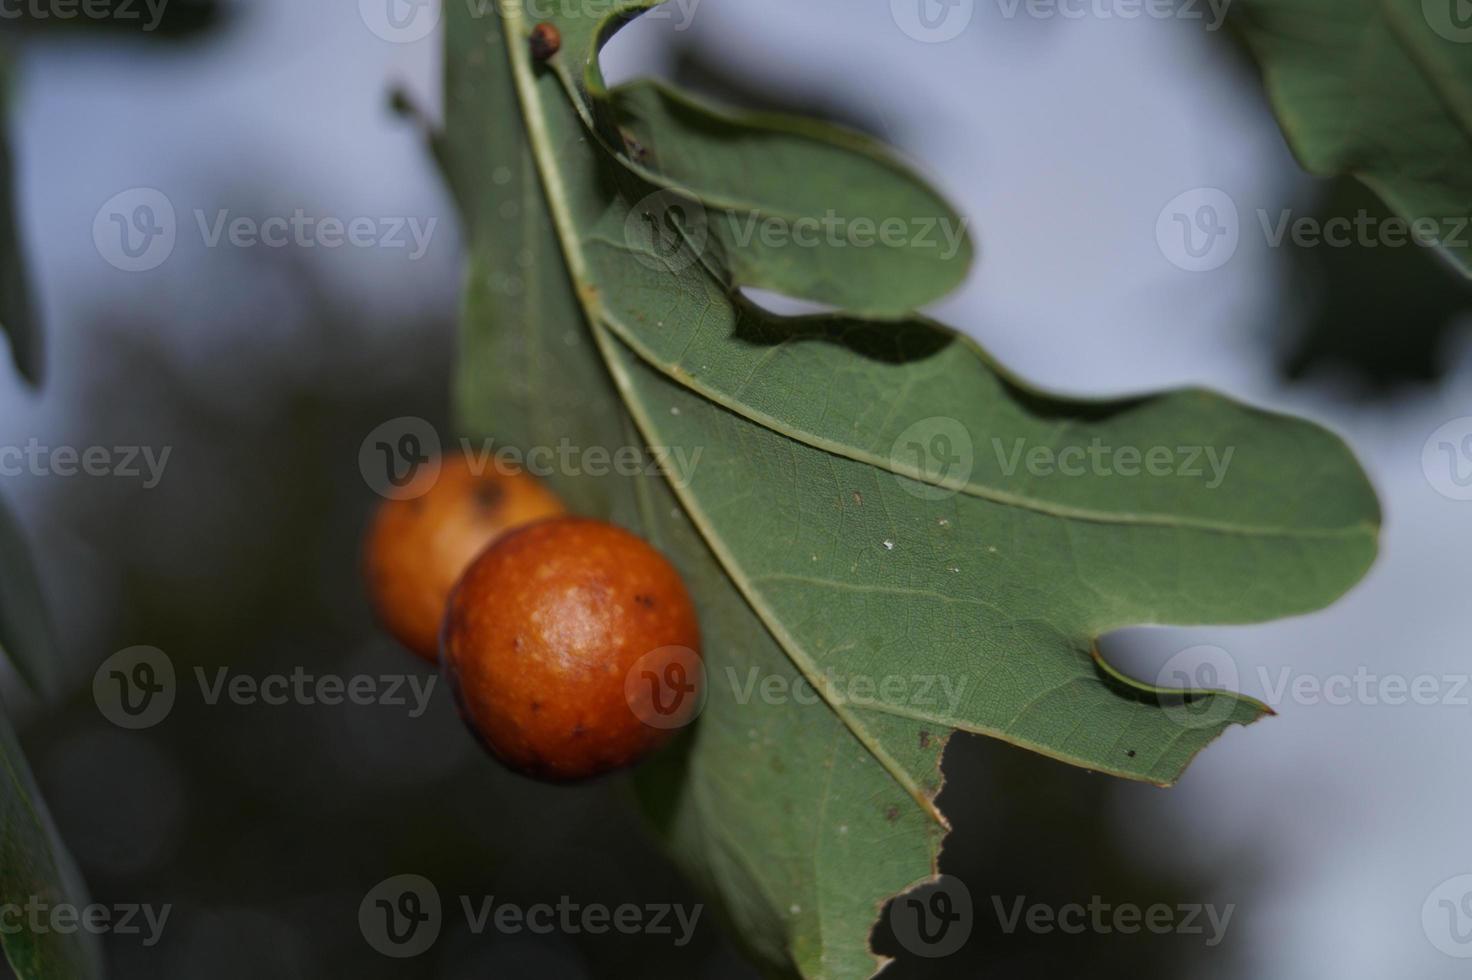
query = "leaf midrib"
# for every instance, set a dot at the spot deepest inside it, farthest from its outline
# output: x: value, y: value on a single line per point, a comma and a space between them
x: 515, y: 37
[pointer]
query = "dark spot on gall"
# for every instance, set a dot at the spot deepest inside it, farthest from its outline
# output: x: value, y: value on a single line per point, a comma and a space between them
x: 647, y: 601
x: 488, y: 495
x: 546, y: 40
x: 578, y: 731
x: 536, y: 706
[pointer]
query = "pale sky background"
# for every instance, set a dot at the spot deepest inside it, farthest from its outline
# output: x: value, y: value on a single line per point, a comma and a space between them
x: 1062, y: 140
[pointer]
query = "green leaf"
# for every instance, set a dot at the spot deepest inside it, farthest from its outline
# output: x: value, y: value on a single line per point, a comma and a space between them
x: 1381, y: 90
x: 740, y: 165
x: 36, y: 870
x: 15, y: 304
x: 829, y: 537
x: 35, y: 867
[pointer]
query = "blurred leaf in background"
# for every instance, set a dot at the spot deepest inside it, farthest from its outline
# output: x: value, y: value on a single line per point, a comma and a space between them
x: 1380, y: 90
x: 17, y: 320
x: 1379, y: 316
